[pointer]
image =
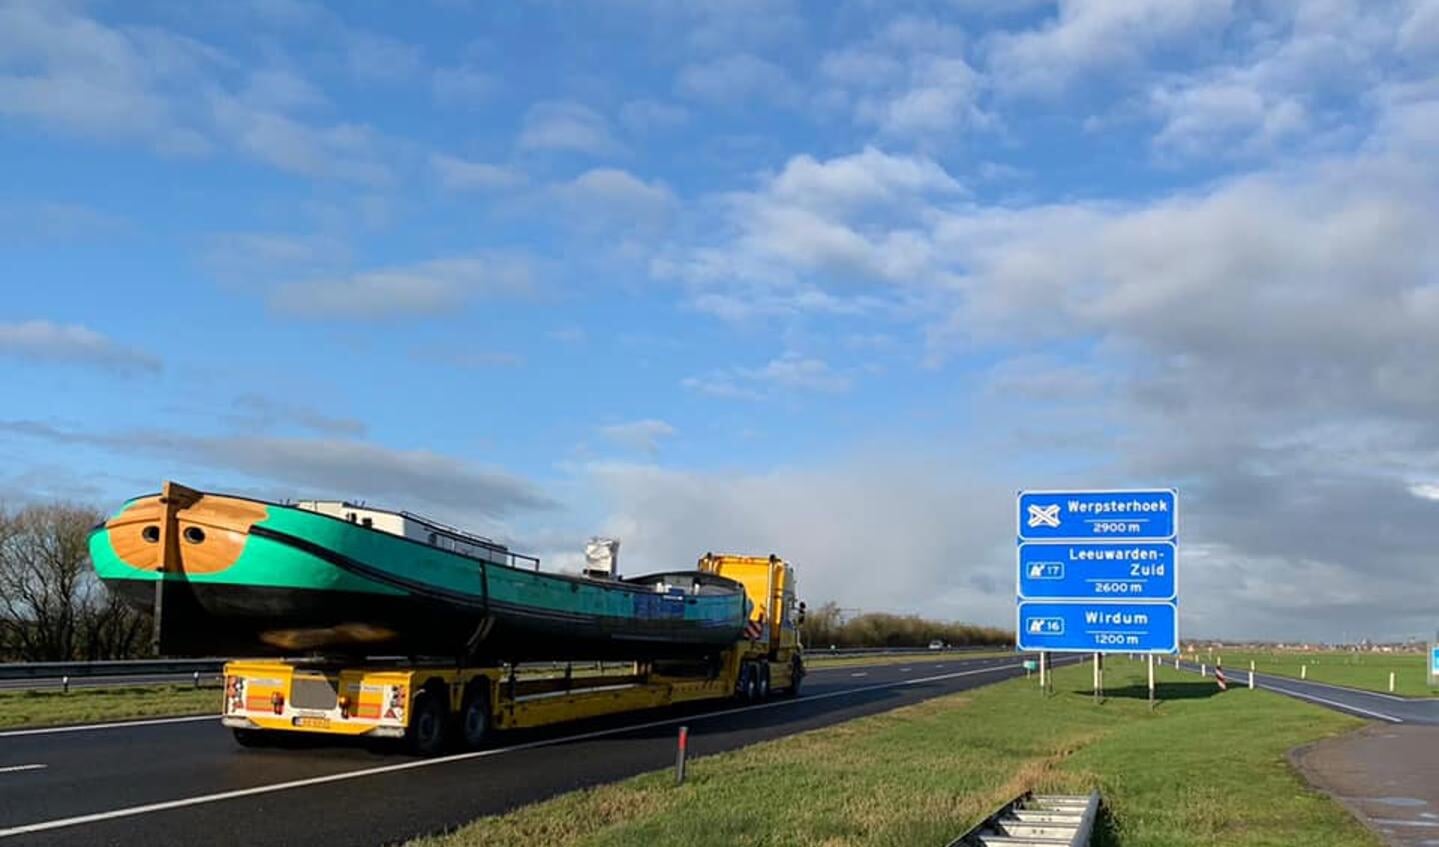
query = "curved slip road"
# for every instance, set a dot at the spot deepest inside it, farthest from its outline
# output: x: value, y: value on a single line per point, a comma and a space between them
x: 1375, y: 705
x: 184, y: 781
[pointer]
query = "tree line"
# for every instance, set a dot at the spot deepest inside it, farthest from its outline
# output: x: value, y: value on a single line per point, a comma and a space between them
x: 825, y: 626
x: 52, y: 606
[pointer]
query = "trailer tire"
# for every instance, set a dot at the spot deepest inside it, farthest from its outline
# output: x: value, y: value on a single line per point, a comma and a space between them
x: 763, y: 682
x: 425, y: 736
x: 475, y: 715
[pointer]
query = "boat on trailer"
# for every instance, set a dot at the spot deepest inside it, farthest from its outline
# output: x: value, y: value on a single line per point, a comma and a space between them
x: 230, y: 575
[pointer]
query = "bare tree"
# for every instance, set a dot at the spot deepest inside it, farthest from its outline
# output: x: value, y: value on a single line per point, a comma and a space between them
x: 52, y: 606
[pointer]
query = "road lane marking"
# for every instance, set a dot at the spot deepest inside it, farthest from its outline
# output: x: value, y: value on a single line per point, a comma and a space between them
x: 11, y: 733
x: 1261, y: 682
x: 18, y: 768
x: 148, y: 808
x: 860, y: 673
x: 1335, y: 703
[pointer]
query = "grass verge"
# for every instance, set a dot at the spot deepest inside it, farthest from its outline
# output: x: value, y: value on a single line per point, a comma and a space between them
x: 90, y: 705
x: 1369, y: 671
x: 1202, y: 769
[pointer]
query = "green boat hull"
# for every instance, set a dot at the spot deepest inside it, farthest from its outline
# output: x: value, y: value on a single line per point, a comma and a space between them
x: 232, y: 576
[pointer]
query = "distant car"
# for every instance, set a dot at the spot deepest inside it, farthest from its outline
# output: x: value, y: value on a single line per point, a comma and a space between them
x: 936, y: 645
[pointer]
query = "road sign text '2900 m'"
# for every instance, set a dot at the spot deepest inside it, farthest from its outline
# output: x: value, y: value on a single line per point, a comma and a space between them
x: 1097, y: 515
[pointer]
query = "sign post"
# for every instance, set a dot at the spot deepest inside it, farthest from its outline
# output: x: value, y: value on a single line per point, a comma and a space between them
x: 1097, y: 572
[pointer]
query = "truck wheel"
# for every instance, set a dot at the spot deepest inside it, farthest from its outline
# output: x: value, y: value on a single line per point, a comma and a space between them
x: 475, y: 715
x: 425, y: 736
x: 751, y: 686
x: 252, y: 738
x: 796, y: 676
x: 763, y: 681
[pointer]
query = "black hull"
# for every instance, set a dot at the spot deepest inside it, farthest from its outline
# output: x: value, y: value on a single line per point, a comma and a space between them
x: 217, y: 619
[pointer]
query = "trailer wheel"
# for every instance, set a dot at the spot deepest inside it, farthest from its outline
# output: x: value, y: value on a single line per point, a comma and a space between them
x: 475, y: 715
x: 425, y: 736
x: 763, y: 681
x: 251, y: 738
x: 749, y: 682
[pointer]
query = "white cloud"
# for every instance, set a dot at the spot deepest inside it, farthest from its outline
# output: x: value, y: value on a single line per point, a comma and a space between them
x: 1086, y: 36
x: 618, y: 198
x: 44, y: 341
x: 1419, y: 34
x: 325, y: 467
x: 789, y: 372
x: 1426, y: 490
x: 341, y: 151
x: 861, y: 179
x: 71, y: 73
x: 1203, y: 119
x: 930, y: 516
x: 567, y: 126
x: 458, y: 174
x: 259, y: 412
x: 438, y: 286
x: 737, y: 79
x: 642, y: 436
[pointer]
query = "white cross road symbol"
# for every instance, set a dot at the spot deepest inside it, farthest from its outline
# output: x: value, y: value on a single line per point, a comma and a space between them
x: 1044, y: 515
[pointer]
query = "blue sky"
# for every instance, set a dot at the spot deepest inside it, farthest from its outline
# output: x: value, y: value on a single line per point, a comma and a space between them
x: 829, y: 279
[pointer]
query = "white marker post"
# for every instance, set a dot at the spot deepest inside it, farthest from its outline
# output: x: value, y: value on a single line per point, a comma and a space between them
x: 1303, y: 671
x: 1391, y: 682
x: 1150, y: 662
x: 1251, y: 674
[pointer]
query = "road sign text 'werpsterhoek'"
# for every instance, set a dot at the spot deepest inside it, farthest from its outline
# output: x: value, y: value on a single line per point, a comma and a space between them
x: 1096, y: 515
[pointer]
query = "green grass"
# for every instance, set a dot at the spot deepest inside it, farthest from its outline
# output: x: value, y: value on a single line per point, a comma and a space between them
x: 1204, y: 768
x: 90, y: 705
x: 1357, y: 670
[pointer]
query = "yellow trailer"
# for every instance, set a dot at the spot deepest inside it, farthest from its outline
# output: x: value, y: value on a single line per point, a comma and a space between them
x: 432, y: 705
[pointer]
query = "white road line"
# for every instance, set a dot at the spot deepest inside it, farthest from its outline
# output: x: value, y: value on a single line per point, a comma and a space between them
x: 1259, y: 682
x: 131, y: 811
x: 1334, y: 703
x: 860, y: 673
x: 905, y: 670
x: 11, y: 733
x: 18, y: 768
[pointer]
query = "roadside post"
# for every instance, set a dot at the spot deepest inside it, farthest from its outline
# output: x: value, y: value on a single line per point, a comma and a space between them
x: 1097, y: 572
x: 680, y: 755
x: 1251, y: 674
x: 1149, y: 660
x: 1391, y: 682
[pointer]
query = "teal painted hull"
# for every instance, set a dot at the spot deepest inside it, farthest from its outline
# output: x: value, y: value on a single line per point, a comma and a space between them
x: 304, y: 582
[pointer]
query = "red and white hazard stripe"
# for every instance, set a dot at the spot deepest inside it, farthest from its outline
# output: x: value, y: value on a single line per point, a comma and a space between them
x: 754, y: 629
x: 1219, y: 678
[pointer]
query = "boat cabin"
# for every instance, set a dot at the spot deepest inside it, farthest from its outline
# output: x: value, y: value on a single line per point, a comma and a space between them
x: 417, y: 528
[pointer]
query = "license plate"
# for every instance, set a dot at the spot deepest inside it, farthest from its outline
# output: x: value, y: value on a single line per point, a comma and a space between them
x: 313, y: 723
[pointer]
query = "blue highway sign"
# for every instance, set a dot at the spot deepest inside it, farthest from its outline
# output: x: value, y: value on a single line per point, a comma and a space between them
x: 1104, y: 627
x: 1434, y: 661
x: 1083, y: 570
x: 1097, y: 515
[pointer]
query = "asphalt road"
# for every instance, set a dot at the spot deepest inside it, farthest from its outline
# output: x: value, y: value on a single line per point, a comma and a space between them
x: 184, y: 781
x: 1374, y: 705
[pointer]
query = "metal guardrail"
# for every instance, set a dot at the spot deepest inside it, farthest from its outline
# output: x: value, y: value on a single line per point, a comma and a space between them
x: 816, y: 652
x: 121, y: 667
